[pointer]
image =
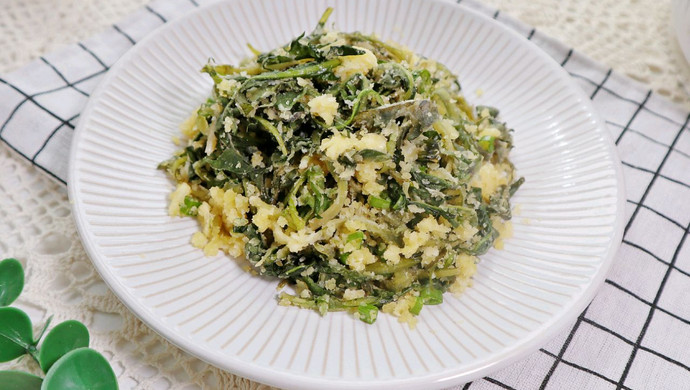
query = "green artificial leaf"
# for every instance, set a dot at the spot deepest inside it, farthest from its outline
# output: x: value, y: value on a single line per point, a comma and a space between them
x: 17, y: 380
x: 16, y: 335
x: 80, y: 369
x: 11, y: 281
x: 63, y: 338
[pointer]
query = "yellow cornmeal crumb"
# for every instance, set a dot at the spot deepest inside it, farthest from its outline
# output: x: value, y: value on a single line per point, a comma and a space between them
x: 353, y: 225
x: 302, y: 82
x: 206, y: 219
x: 266, y: 214
x: 490, y: 131
x: 351, y: 65
x: 505, y: 231
x: 479, y: 92
x: 465, y: 231
x: 295, y: 241
x: 430, y: 225
x: 468, y: 265
x: 257, y: 160
x: 392, y: 254
x: 302, y: 289
x: 350, y: 247
x: 351, y: 294
x: 230, y: 124
x: 414, y: 240
x: 406, y: 171
x: 410, y: 151
x: 235, y: 206
x: 226, y: 88
x: 188, y: 126
x: 367, y: 174
x: 324, y: 106
x: 217, y: 217
x: 199, y: 240
x: 177, y: 198
x: 489, y: 178
x: 429, y: 255
x: 330, y: 284
x: 338, y: 144
x: 360, y: 258
x: 401, y: 309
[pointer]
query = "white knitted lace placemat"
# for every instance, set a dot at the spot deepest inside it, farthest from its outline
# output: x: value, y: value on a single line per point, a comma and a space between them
x: 619, y: 339
x: 635, y: 38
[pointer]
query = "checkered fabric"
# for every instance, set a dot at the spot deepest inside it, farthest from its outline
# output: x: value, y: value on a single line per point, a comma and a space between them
x: 636, y: 332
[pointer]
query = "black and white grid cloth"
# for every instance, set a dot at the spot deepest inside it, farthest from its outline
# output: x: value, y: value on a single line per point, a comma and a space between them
x: 636, y: 332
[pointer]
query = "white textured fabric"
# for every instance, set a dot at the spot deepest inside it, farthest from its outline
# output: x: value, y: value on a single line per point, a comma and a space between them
x: 621, y: 340
x: 635, y: 38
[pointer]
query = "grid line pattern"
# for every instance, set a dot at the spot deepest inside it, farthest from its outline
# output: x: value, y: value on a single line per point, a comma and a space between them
x: 652, y: 265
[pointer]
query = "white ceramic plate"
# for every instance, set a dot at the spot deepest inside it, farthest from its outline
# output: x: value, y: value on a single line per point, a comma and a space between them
x: 565, y: 235
x: 680, y: 13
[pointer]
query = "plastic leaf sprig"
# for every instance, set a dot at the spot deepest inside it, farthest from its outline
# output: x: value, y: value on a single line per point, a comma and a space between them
x: 64, y: 356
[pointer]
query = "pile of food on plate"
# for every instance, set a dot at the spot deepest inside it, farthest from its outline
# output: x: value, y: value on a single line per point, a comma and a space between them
x: 350, y: 168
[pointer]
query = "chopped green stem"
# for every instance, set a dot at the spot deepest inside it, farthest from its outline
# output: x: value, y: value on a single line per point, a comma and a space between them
x: 388, y: 269
x: 379, y: 203
x: 303, y: 71
x: 417, y: 307
x: 324, y: 18
x: 367, y: 313
x: 447, y: 272
x: 285, y: 65
x: 356, y: 236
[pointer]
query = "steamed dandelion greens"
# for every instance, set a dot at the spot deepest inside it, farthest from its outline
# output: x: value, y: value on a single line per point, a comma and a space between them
x: 351, y: 169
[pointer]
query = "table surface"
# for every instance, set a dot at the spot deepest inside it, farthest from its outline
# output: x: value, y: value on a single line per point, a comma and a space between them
x: 634, y: 38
